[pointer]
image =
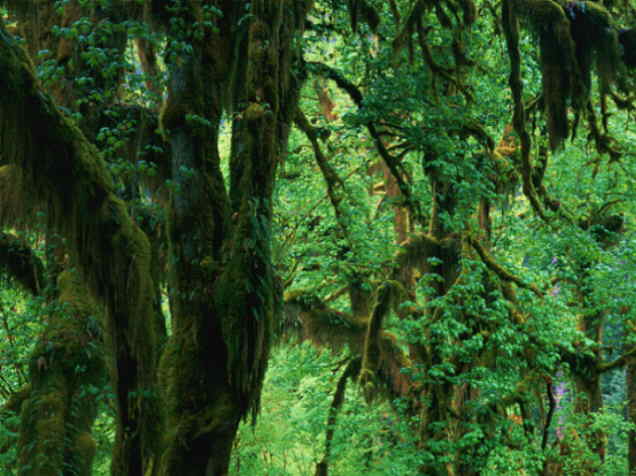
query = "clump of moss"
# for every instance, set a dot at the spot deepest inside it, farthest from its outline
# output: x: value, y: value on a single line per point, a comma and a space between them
x: 574, y: 39
x: 596, y: 41
x: 56, y: 418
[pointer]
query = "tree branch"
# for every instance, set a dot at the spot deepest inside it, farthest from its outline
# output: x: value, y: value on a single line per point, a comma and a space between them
x: 619, y: 362
x: 392, y: 162
x: 551, y: 408
x: 490, y: 262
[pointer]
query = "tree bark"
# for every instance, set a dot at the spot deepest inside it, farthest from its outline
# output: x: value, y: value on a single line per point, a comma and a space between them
x: 221, y: 273
x: 630, y: 383
x: 62, y: 172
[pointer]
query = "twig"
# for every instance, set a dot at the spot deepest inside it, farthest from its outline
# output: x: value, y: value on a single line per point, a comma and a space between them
x: 551, y: 409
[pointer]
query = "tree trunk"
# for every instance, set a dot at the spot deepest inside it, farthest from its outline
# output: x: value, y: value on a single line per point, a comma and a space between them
x: 630, y: 383
x: 56, y: 418
x: 221, y: 274
x: 62, y: 173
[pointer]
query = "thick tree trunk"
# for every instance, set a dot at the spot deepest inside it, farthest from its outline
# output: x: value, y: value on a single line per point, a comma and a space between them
x: 202, y: 416
x: 62, y: 173
x: 221, y: 273
x: 56, y: 418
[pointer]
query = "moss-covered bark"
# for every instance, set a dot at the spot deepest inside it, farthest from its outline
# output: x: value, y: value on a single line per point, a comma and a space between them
x: 222, y: 283
x: 214, y: 364
x: 201, y: 415
x: 66, y: 369
x: 63, y: 173
x: 10, y: 420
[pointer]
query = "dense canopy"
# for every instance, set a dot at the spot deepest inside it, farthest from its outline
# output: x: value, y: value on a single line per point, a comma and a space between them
x: 300, y: 237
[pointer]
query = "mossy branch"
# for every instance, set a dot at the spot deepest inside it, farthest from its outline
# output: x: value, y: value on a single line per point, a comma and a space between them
x: 343, y: 83
x: 392, y: 162
x: 64, y: 173
x: 415, y: 251
x: 372, y: 351
x: 617, y: 363
x: 503, y: 274
x: 335, y: 185
x: 308, y: 315
x: 511, y: 32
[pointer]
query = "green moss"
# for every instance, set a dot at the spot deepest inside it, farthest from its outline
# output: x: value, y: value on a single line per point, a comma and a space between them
x: 573, y: 39
x: 62, y: 171
x: 57, y: 416
x: 543, y: 13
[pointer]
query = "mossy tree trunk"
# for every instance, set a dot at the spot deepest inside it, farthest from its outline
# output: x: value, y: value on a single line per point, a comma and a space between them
x: 214, y: 364
x: 89, y: 83
x: 222, y: 283
x: 62, y: 172
x: 66, y: 370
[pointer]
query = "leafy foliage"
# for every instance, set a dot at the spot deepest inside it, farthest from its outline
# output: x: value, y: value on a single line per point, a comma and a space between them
x: 426, y: 207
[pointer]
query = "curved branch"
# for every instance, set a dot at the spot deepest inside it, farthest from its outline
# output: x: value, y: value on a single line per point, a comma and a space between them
x: 350, y: 372
x: 499, y: 270
x: 552, y: 407
x: 392, y: 162
x: 335, y: 185
x: 511, y: 31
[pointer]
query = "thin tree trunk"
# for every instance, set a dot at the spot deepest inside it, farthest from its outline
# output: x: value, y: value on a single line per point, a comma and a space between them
x: 630, y: 384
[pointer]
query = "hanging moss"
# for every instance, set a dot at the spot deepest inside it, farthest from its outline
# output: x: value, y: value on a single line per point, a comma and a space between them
x: 14, y: 204
x: 63, y: 173
x: 558, y: 70
x: 309, y: 317
x: 558, y: 62
x: 224, y: 307
x: 371, y: 354
x: 596, y: 42
x: 20, y: 263
x: 245, y: 296
x: 574, y: 38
